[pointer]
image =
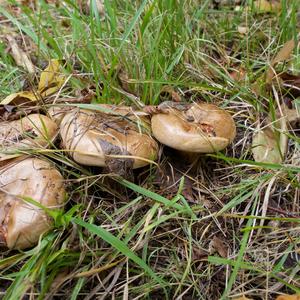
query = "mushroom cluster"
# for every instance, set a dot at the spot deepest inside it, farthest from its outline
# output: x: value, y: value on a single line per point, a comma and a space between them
x: 118, y: 138
x: 28, y: 185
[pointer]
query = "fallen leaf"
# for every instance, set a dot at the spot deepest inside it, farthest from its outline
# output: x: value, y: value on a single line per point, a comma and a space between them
x: 288, y: 297
x: 265, y: 6
x: 242, y: 298
x: 218, y: 245
x: 19, y: 98
x: 52, y: 78
x: 266, y: 147
x: 283, y: 55
x: 20, y: 57
x: 198, y: 253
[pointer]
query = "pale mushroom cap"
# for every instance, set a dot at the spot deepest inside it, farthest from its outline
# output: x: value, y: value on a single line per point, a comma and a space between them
x: 94, y: 138
x: 203, y: 128
x: 32, y: 131
x: 57, y: 113
x: 22, y: 223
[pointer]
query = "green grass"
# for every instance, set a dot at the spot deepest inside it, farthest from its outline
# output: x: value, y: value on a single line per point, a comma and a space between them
x: 141, y: 239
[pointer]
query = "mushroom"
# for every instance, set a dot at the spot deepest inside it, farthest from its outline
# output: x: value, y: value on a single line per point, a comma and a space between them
x: 196, y: 128
x: 115, y: 137
x: 22, y: 223
x: 57, y: 113
x: 32, y: 131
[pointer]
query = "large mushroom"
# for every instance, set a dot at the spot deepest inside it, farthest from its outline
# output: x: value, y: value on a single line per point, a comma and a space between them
x: 32, y: 131
x: 196, y: 128
x: 116, y: 137
x: 21, y: 222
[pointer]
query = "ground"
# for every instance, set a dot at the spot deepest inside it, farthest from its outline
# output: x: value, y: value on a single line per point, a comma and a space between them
x: 232, y: 226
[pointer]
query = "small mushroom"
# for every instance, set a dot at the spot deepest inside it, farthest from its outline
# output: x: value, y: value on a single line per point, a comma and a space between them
x: 117, y: 138
x: 32, y: 131
x: 198, y: 127
x: 22, y: 223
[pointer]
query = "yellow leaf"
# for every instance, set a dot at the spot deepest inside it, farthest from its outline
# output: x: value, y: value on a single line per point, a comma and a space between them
x: 19, y: 98
x: 266, y: 148
x: 265, y: 6
x: 52, y: 78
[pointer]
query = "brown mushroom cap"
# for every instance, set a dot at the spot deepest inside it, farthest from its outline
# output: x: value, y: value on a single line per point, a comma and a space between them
x: 22, y: 223
x: 32, y: 131
x: 201, y: 127
x: 97, y: 138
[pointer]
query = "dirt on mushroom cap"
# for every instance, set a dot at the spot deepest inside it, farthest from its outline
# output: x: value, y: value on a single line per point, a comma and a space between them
x: 112, y: 140
x: 32, y: 131
x: 22, y: 223
x: 201, y: 127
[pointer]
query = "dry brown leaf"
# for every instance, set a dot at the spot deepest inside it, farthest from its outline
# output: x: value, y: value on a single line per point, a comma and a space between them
x: 242, y: 298
x: 219, y: 245
x: 52, y: 78
x: 288, y: 297
x: 20, y: 57
x: 283, y: 55
x: 266, y: 147
x: 265, y: 6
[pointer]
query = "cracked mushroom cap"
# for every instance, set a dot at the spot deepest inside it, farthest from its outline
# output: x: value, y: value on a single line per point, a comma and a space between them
x: 32, y: 131
x: 199, y: 128
x: 22, y: 223
x: 111, y: 139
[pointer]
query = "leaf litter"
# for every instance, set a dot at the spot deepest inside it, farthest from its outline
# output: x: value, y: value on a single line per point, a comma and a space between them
x: 269, y: 143
x: 51, y: 80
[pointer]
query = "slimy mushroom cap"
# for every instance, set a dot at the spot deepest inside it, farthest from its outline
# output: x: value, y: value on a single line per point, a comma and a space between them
x: 22, y: 223
x: 32, y: 131
x: 200, y: 128
x: 97, y: 138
